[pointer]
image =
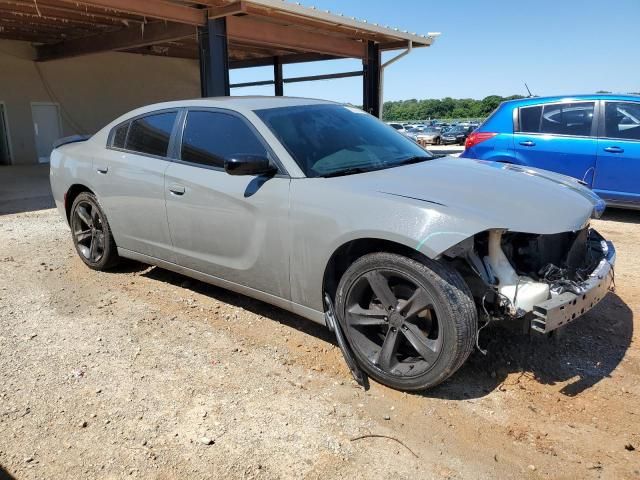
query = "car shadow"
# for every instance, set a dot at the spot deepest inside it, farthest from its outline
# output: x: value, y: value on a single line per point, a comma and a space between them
x: 252, y: 305
x: 4, y: 475
x: 585, y: 351
x: 580, y: 355
x: 621, y: 215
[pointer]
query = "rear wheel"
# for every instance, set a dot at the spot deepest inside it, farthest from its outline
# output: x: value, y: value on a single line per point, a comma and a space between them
x: 410, y: 324
x: 91, y: 233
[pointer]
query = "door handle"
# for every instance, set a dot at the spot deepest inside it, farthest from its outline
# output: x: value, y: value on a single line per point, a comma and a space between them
x: 528, y: 143
x: 614, y: 149
x: 102, y: 170
x: 177, y: 189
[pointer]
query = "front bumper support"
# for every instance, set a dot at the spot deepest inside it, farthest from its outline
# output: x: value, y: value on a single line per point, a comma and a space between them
x: 566, y: 307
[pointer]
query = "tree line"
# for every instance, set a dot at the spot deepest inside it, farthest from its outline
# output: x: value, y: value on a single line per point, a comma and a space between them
x: 446, y: 108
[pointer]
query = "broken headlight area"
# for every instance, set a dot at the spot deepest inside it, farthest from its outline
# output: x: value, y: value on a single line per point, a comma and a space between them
x: 546, y: 280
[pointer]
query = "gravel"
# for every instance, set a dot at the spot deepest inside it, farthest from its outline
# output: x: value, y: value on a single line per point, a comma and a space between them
x: 149, y: 352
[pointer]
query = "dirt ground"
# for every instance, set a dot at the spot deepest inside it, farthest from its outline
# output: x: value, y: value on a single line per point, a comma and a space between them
x: 141, y: 372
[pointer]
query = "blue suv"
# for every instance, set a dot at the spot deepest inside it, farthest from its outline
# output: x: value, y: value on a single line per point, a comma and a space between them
x: 594, y: 138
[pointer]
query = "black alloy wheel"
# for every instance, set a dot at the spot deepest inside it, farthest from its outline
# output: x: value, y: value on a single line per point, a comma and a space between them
x: 91, y: 233
x: 410, y: 323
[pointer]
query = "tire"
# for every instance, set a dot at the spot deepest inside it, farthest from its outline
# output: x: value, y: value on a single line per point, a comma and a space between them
x: 91, y: 233
x: 444, y: 330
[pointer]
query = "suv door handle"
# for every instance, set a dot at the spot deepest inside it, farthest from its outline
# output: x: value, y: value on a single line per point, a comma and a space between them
x: 176, y: 189
x: 102, y: 170
x: 528, y: 143
x: 614, y: 149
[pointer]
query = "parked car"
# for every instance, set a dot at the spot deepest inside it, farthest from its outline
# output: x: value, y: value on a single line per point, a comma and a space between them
x: 413, y: 132
x: 594, y: 138
x: 398, y: 126
x: 428, y: 136
x: 325, y: 211
x: 456, y: 135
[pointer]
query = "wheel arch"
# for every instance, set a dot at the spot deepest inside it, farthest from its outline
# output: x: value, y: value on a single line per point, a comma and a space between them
x: 71, y: 194
x: 350, y: 251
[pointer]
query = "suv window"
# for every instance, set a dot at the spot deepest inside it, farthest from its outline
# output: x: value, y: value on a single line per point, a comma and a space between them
x: 622, y: 120
x: 210, y: 137
x: 568, y: 118
x: 530, y: 119
x: 151, y: 134
x: 120, y: 135
x: 558, y: 118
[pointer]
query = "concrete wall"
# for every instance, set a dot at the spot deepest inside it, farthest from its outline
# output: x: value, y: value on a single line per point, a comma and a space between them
x: 91, y: 90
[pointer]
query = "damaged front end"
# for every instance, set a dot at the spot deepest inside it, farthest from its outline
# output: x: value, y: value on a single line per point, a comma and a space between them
x: 543, y: 281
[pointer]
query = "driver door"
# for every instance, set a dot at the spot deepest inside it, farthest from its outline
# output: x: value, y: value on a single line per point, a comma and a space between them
x: 231, y: 227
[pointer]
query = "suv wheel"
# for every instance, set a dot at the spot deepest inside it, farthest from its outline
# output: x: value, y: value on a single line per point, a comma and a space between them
x: 410, y: 324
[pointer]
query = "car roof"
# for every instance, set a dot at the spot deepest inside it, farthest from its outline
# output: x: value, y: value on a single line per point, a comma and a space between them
x: 563, y: 98
x: 238, y: 103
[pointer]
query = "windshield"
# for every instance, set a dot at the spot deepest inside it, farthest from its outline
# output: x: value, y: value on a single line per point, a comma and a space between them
x: 325, y: 140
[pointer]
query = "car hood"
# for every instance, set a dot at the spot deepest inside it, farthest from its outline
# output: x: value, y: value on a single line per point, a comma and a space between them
x: 489, y: 194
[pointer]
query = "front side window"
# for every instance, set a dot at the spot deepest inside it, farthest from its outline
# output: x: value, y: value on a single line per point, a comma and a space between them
x: 151, y: 134
x: 327, y: 140
x: 622, y: 120
x: 211, y: 137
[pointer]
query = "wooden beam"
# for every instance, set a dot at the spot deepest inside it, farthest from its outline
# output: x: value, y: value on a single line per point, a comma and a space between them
x: 10, y: 34
x: 318, y: 25
x: 65, y: 11
x: 160, y: 9
x: 248, y: 30
x: 55, y: 20
x: 123, y: 39
x: 168, y: 51
x: 285, y: 59
x: 227, y: 10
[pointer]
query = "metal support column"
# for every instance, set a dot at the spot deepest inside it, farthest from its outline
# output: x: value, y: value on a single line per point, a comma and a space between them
x: 277, y: 77
x: 371, y: 83
x: 214, y: 58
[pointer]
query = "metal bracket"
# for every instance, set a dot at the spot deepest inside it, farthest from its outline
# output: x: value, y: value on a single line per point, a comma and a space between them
x: 334, y: 325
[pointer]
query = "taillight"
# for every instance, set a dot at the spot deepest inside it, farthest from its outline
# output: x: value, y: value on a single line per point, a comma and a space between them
x: 477, y: 137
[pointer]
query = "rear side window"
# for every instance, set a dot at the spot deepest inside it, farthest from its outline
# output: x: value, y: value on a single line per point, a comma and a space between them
x: 622, y: 120
x: 568, y: 118
x: 211, y: 137
x: 120, y: 135
x: 151, y: 134
x: 530, y: 119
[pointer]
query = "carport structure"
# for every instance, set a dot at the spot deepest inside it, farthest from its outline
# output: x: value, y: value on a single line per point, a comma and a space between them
x: 221, y: 34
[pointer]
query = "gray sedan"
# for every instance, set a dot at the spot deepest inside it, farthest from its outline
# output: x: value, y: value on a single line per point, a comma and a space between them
x: 323, y: 210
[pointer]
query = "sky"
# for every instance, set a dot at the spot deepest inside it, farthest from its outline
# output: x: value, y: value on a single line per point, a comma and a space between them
x: 488, y: 47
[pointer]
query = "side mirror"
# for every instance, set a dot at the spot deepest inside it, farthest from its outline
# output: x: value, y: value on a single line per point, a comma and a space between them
x: 249, y: 165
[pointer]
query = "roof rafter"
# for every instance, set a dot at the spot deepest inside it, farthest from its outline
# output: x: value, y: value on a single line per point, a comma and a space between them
x: 159, y: 9
x: 125, y: 38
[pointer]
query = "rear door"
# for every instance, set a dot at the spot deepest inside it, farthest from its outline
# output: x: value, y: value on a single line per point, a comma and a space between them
x: 129, y: 181
x: 618, y: 165
x: 232, y: 227
x: 560, y: 137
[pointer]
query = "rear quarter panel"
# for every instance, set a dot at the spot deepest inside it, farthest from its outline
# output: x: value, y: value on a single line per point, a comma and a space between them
x: 70, y: 164
x: 499, y: 148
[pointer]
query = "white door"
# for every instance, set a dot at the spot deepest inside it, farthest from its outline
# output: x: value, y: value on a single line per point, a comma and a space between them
x: 46, y: 125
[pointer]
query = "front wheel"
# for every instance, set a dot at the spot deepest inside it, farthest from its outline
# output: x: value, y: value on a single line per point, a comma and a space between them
x: 410, y: 324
